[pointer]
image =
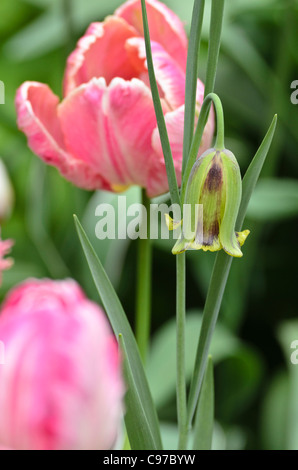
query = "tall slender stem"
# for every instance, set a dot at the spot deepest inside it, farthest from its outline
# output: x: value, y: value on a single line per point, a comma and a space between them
x: 180, y: 351
x: 215, y: 293
x: 143, y: 297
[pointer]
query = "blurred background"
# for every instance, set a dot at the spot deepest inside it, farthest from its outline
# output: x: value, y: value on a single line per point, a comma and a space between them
x: 256, y: 385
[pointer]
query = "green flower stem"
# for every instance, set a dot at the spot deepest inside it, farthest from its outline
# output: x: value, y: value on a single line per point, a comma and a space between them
x: 220, y: 132
x: 215, y: 293
x: 180, y: 351
x: 143, y: 297
x: 219, y: 144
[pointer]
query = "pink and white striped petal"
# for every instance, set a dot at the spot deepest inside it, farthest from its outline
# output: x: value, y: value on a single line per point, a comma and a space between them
x: 169, y: 76
x: 165, y: 26
x: 175, y: 122
x: 100, y: 53
x: 37, y: 108
x: 110, y: 127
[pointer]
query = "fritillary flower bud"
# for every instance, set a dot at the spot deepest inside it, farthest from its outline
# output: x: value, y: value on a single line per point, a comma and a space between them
x: 215, y: 187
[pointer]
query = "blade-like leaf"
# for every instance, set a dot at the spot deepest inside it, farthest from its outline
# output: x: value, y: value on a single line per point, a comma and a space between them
x: 148, y: 429
x: 136, y: 420
x: 203, y: 431
x: 253, y: 172
x: 192, y: 76
x: 173, y: 186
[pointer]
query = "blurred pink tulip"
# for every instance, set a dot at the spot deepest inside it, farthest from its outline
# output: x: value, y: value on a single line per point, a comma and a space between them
x: 5, y: 246
x: 103, y: 135
x: 60, y: 384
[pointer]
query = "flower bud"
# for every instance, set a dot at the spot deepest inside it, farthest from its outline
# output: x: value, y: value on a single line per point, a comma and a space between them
x: 214, y: 184
x: 6, y: 193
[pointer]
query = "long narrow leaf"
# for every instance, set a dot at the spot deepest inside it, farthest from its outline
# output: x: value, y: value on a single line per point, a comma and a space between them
x: 192, y: 76
x: 149, y: 434
x: 203, y: 431
x: 253, y: 172
x: 136, y: 420
x: 172, y: 180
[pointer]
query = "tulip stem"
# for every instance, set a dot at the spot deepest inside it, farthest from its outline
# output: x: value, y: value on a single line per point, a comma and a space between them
x: 143, y: 296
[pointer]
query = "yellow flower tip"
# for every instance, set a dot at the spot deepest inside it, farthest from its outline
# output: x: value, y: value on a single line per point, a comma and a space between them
x: 172, y: 224
x: 242, y: 236
x: 234, y: 250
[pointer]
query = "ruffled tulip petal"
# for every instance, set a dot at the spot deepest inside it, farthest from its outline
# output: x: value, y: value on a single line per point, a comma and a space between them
x: 37, y: 115
x: 169, y: 76
x: 100, y: 53
x: 174, y: 122
x: 110, y: 127
x: 165, y: 26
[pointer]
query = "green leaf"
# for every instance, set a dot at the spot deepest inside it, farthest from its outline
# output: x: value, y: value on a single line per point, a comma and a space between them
x: 253, y: 172
x: 273, y: 200
x: 149, y: 437
x: 192, y: 76
x: 203, y: 431
x: 136, y: 420
x: 173, y: 186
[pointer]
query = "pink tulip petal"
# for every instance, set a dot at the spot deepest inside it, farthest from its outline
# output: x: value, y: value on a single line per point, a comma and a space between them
x: 100, y: 53
x: 174, y: 122
x: 61, y: 380
x: 169, y: 76
x: 165, y: 26
x: 110, y: 127
x: 37, y: 118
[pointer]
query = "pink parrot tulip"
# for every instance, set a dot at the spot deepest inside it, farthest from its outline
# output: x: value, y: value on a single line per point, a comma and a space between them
x: 60, y: 383
x: 5, y: 263
x: 103, y: 134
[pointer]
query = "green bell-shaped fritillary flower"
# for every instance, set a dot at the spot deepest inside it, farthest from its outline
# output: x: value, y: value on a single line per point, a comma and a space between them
x: 213, y: 194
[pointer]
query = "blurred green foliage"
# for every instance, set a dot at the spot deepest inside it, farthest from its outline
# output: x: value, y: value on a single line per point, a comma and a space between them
x: 256, y: 404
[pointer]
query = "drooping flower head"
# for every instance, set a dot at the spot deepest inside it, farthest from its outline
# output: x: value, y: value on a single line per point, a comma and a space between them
x: 60, y: 382
x: 103, y: 134
x: 213, y: 194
